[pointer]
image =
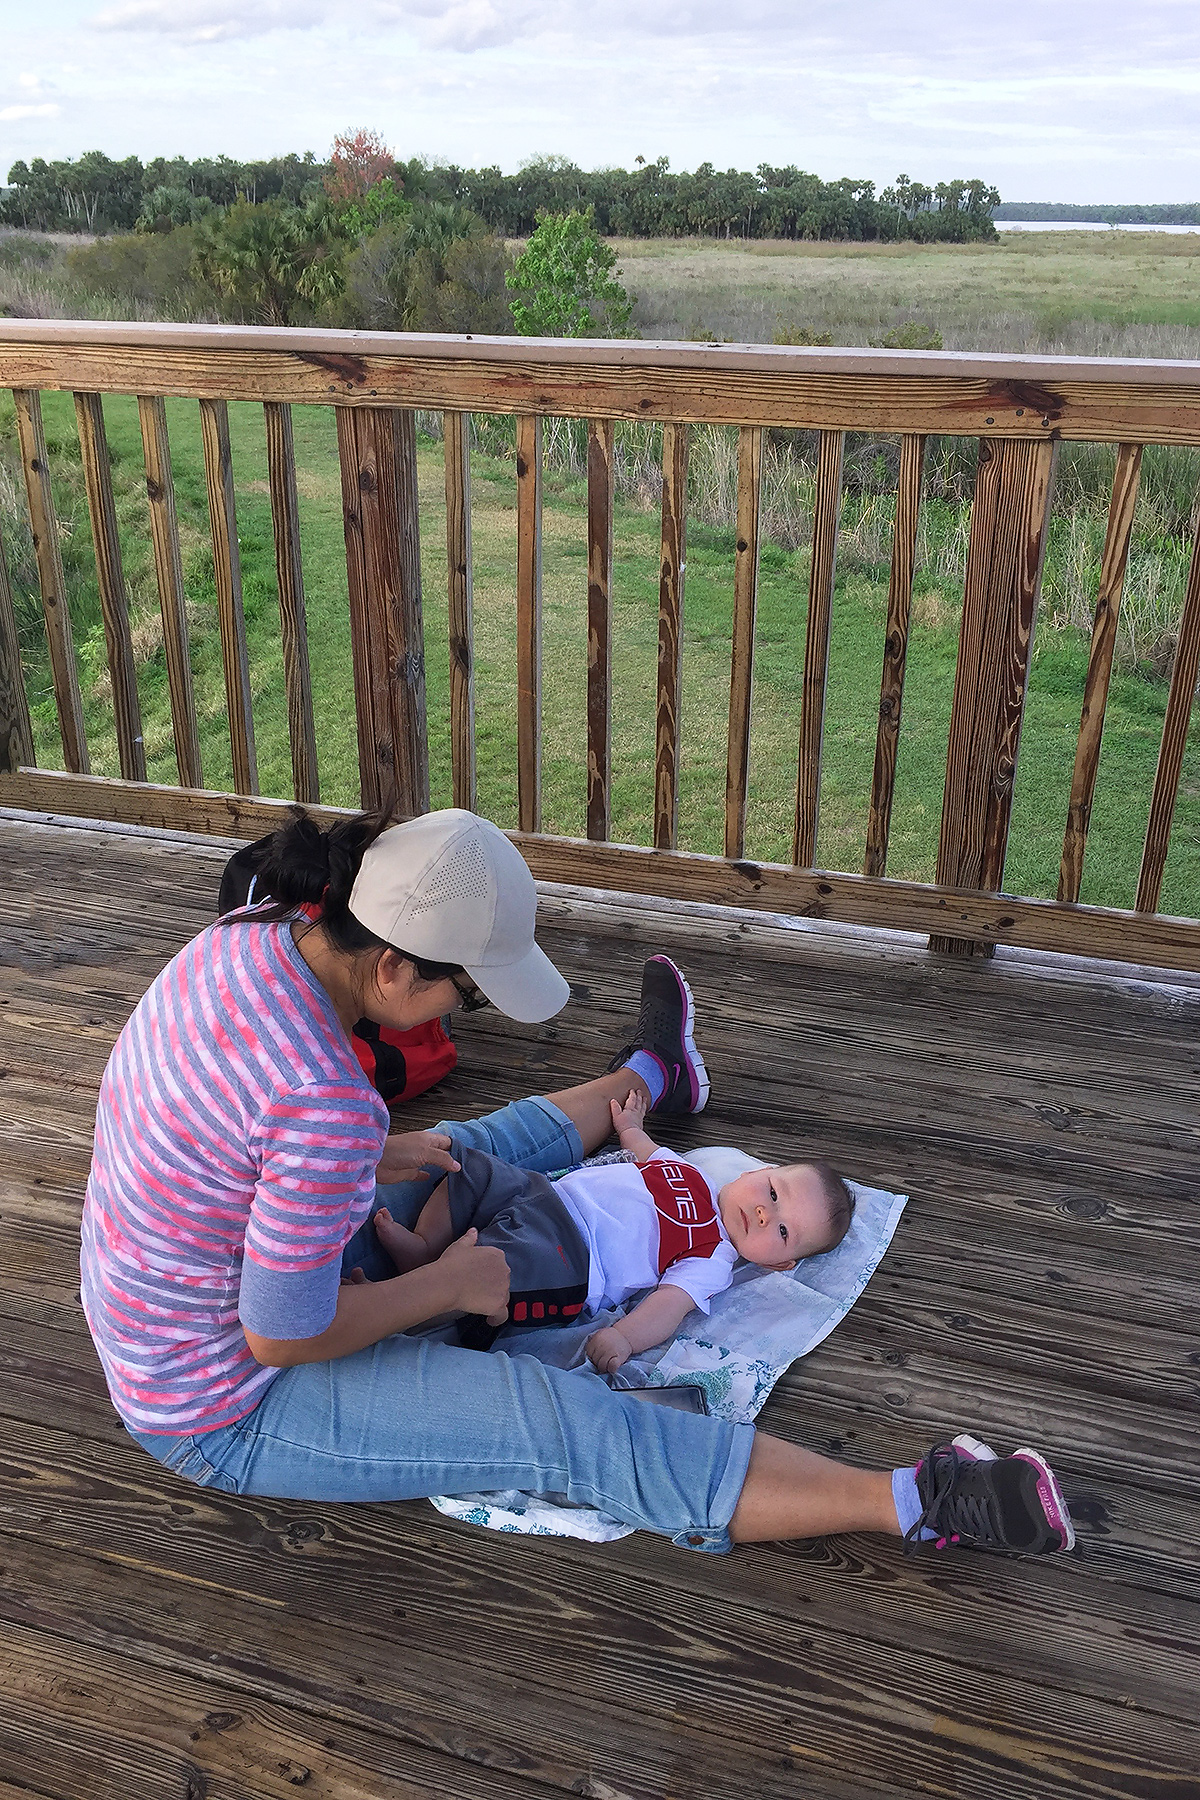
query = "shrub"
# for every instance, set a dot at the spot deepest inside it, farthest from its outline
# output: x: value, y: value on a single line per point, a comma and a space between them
x: 139, y: 271
x: 910, y: 336
x: 566, y: 272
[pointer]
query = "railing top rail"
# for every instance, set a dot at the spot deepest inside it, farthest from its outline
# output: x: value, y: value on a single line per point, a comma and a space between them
x: 609, y: 354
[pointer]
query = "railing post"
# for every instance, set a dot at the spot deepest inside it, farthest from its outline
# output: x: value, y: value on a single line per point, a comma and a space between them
x: 168, y: 564
x: 672, y: 569
x: 289, y: 578
x: 110, y: 579
x: 456, y: 435
x: 16, y: 733
x: 53, y: 585
x: 378, y: 452
x: 1009, y: 518
x: 601, y: 437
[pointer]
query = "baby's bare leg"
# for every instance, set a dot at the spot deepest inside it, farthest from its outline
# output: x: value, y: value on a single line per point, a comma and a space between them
x: 433, y: 1234
x: 434, y: 1226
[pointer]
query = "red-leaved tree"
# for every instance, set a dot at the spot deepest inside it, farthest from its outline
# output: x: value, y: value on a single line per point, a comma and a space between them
x: 359, y: 159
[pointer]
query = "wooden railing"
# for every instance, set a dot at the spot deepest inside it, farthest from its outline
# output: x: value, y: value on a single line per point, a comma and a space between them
x: 1019, y: 409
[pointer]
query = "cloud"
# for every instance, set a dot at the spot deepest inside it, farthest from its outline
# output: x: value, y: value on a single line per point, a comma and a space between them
x: 47, y: 111
x: 210, y: 21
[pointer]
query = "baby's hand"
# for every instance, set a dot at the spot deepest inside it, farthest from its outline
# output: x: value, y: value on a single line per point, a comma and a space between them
x: 630, y: 1114
x: 608, y: 1348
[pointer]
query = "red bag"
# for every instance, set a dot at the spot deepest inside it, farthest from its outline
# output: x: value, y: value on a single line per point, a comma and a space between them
x: 402, y: 1064
x: 398, y: 1064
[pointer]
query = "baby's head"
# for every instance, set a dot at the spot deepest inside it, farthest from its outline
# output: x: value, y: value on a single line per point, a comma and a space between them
x: 777, y: 1216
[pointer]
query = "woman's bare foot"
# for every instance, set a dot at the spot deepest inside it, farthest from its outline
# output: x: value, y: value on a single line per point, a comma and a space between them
x: 406, y: 1249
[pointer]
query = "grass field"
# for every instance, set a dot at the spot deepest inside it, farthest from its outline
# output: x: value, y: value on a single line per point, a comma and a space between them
x: 1135, y: 709
x: 1107, y: 293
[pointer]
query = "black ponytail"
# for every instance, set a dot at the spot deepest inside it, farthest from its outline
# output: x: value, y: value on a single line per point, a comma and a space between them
x: 301, y: 865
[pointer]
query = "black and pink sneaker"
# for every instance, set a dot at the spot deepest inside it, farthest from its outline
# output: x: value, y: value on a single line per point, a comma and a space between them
x: 1009, y: 1504
x: 664, y: 1030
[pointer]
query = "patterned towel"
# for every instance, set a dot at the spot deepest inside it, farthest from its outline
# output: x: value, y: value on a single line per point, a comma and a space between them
x: 755, y: 1330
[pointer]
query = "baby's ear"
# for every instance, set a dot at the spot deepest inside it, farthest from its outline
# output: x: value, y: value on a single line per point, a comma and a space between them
x: 782, y: 1268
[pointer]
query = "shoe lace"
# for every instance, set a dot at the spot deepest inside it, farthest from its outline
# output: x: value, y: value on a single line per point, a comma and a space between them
x: 956, y: 1517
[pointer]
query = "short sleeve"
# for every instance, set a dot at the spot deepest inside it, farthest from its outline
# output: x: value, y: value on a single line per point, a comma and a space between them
x: 317, y: 1149
x: 702, y: 1276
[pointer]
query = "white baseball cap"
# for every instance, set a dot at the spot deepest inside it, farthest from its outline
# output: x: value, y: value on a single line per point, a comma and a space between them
x: 451, y: 888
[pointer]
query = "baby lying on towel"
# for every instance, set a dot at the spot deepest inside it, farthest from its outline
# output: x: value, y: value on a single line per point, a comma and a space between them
x: 596, y: 1236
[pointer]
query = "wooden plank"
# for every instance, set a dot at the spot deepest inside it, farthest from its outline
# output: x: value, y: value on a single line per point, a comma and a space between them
x: 1097, y: 400
x: 456, y: 434
x: 745, y: 607
x: 600, y: 436
x: 1009, y: 521
x: 529, y: 622
x: 1174, y: 740
x: 16, y: 730
x: 1095, y: 691
x: 826, y: 896
x: 83, y: 1719
x: 293, y: 622
x: 379, y: 503
x: 895, y: 652
x: 670, y: 635
x: 434, y: 1578
x: 227, y: 578
x: 164, y: 532
x: 826, y: 509
x: 110, y: 578
x: 43, y: 523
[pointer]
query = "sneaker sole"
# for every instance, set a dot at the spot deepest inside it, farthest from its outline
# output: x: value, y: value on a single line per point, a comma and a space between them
x: 697, y: 1072
x: 1046, y: 1475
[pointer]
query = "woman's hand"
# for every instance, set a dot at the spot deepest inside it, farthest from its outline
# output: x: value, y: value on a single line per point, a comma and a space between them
x: 479, y: 1277
x: 607, y: 1349
x: 408, y: 1155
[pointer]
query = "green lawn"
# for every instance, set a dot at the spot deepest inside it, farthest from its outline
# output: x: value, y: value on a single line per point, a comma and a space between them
x: 1131, y: 742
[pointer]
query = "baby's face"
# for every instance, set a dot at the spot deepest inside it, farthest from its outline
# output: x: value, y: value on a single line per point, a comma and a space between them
x: 776, y: 1216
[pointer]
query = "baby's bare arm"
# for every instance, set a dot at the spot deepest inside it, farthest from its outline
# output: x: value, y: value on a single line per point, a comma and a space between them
x: 627, y: 1117
x: 657, y: 1318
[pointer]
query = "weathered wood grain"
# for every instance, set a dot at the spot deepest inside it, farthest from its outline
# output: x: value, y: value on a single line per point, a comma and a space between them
x: 745, y: 608
x: 1095, y: 931
x: 227, y: 578
x: 16, y: 730
x: 117, y: 1727
x: 895, y: 652
x: 164, y: 533
x: 289, y: 577
x: 826, y: 511
x: 1009, y: 520
x: 672, y: 569
x: 600, y: 438
x: 456, y: 431
x: 1095, y: 692
x: 1174, y: 739
x: 1100, y: 399
x: 43, y: 524
x: 377, y: 452
x: 529, y: 622
x: 110, y: 579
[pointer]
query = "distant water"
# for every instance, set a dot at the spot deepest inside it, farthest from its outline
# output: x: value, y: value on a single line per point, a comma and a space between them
x: 1085, y: 225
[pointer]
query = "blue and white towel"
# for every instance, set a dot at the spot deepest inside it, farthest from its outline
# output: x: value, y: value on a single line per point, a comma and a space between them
x: 755, y: 1330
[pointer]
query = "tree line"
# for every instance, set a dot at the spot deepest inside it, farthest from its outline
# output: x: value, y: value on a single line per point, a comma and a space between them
x: 95, y: 193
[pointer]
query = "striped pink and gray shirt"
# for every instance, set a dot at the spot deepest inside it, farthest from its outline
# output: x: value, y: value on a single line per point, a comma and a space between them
x: 235, y: 1152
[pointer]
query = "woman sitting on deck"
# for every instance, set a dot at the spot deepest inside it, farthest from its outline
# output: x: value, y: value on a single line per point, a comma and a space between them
x: 240, y: 1151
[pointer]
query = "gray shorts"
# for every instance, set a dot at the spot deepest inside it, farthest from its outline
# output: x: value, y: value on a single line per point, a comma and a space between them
x: 519, y: 1212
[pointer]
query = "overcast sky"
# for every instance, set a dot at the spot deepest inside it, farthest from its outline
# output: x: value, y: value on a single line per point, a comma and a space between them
x: 1048, y: 99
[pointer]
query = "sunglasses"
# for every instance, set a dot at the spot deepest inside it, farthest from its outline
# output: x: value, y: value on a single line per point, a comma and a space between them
x: 470, y: 997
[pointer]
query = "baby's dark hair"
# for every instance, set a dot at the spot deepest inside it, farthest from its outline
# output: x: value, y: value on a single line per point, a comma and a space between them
x: 840, y: 1201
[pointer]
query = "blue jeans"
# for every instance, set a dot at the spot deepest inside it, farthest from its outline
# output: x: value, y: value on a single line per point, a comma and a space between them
x: 408, y: 1417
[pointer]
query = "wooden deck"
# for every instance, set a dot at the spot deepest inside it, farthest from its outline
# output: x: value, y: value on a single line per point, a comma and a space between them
x: 164, y: 1642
